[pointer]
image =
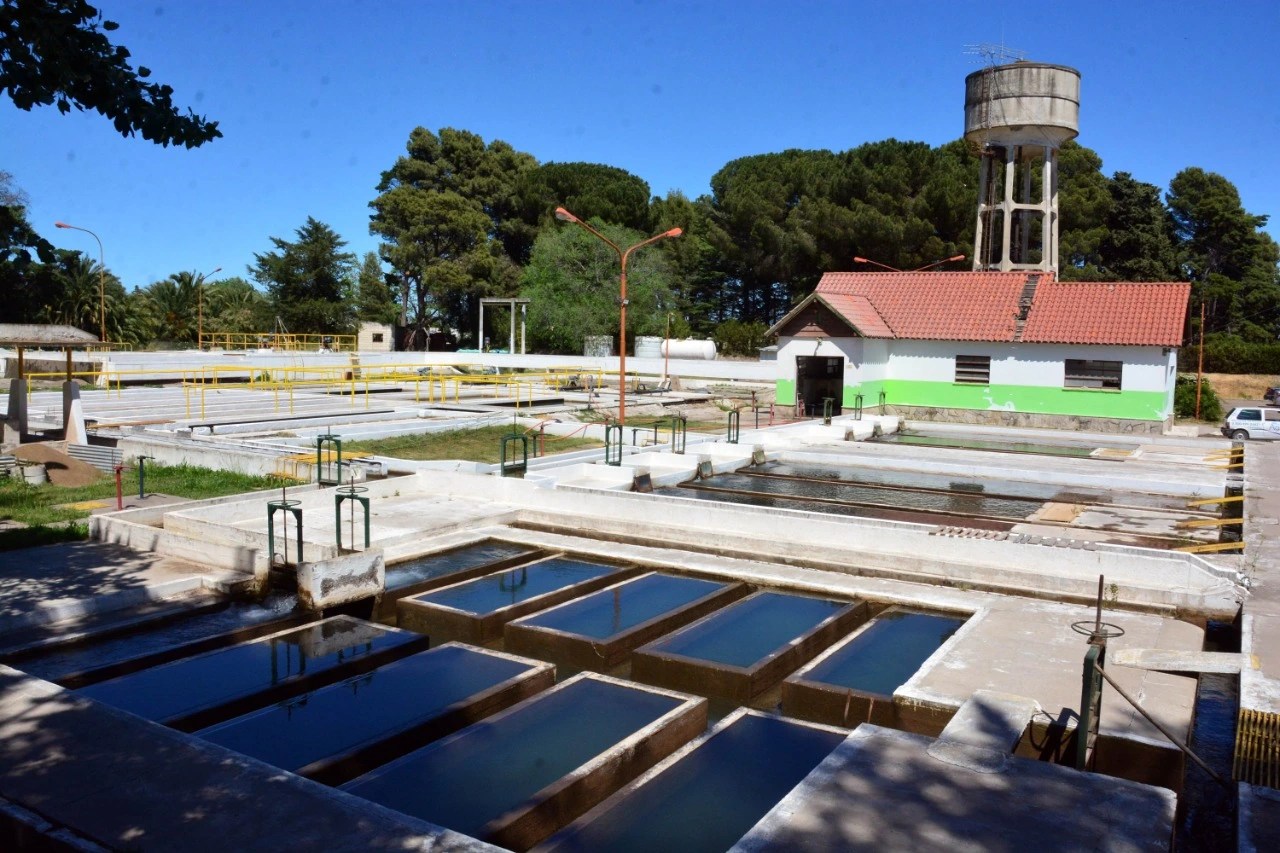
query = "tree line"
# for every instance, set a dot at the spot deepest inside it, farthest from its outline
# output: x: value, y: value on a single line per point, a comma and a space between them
x: 461, y: 219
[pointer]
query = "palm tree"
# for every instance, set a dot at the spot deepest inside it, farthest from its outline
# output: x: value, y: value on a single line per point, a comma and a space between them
x: 85, y: 294
x: 175, y: 301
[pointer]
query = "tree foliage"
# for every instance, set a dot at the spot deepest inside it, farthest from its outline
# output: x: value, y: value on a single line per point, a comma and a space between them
x: 589, y: 190
x: 572, y: 282
x: 56, y: 52
x: 448, y: 215
x: 310, y: 280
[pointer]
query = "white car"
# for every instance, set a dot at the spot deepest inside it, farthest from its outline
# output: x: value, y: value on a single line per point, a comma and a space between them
x: 1252, y: 422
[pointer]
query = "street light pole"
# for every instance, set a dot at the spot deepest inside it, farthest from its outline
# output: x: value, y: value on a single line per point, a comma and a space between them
x: 917, y: 269
x: 623, y: 254
x: 200, y: 309
x: 102, y: 285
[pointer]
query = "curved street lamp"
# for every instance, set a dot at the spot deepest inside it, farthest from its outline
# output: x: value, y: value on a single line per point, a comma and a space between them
x: 565, y: 216
x: 200, y: 308
x: 917, y: 269
x: 102, y: 286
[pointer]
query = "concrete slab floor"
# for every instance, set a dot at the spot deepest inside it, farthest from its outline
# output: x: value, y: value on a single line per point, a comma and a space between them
x: 882, y: 790
x: 126, y: 783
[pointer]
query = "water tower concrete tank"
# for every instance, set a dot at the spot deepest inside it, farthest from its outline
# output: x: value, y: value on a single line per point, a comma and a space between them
x: 1018, y: 116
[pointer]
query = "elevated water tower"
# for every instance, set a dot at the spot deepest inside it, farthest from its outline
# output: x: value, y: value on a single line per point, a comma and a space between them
x: 1019, y: 115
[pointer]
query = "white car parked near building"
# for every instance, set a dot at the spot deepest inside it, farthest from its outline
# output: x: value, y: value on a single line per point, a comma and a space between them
x: 1252, y: 422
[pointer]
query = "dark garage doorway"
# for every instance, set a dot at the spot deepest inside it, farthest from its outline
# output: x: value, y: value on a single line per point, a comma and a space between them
x: 817, y: 378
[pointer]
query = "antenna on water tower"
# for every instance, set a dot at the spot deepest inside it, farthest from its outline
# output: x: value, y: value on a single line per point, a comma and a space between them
x: 1018, y: 114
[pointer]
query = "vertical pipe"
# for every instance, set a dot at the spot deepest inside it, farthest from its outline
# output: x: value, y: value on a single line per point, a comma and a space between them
x: 1200, y: 359
x: 984, y: 181
x: 479, y: 329
x: 1006, y: 207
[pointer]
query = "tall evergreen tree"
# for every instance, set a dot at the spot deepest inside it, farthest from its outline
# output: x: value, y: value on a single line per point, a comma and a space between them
x: 310, y: 280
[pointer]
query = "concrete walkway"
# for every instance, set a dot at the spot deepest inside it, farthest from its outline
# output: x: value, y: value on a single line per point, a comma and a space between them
x: 45, y: 585
x: 1260, y: 684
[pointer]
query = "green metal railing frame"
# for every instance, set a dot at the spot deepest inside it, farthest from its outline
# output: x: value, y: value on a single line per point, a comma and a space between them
x: 734, y: 428
x: 511, y: 467
x: 321, y: 441
x: 613, y: 444
x: 288, y: 506
x: 350, y: 493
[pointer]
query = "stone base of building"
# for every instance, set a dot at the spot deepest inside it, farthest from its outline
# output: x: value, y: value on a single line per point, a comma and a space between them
x: 983, y: 417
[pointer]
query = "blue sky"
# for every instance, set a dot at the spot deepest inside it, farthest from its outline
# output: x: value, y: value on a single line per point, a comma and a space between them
x: 316, y: 97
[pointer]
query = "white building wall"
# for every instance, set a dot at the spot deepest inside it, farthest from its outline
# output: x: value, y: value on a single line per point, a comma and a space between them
x: 1145, y: 368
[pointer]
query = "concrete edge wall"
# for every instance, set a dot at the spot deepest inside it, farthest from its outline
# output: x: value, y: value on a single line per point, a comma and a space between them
x: 1183, y: 584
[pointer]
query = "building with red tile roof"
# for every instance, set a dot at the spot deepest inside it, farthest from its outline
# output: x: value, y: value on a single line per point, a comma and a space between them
x: 1019, y: 346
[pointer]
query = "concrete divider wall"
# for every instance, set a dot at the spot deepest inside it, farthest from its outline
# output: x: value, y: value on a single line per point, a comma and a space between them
x: 1140, y: 577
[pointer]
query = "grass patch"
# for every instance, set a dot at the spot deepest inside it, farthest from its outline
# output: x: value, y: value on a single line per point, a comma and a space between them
x: 483, y: 444
x: 35, y: 504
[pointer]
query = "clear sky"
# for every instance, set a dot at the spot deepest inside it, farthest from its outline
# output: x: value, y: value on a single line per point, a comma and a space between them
x: 316, y: 98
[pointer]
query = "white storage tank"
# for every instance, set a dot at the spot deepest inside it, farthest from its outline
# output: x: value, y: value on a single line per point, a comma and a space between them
x: 689, y: 348
x: 648, y: 347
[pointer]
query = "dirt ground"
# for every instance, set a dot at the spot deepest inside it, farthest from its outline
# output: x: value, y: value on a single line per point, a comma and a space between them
x: 1233, y: 386
x: 62, y: 469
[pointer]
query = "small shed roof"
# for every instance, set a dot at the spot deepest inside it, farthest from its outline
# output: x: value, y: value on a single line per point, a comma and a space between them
x: 43, y: 334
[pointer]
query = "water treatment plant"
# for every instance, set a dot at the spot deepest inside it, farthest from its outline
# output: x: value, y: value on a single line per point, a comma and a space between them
x: 943, y: 576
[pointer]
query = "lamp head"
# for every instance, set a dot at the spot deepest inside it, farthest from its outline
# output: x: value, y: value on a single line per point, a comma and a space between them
x: 62, y: 225
x: 674, y: 232
x: 858, y: 260
x: 565, y: 216
x: 954, y: 258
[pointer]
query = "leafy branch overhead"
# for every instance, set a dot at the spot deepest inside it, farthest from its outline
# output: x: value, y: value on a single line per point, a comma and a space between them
x: 56, y: 52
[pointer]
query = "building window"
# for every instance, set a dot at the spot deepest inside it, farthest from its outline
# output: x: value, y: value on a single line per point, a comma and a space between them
x: 973, y: 369
x: 377, y: 337
x: 1082, y: 373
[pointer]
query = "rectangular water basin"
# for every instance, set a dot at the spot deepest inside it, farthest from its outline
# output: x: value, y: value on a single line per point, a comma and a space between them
x: 600, y: 630
x: 145, y: 643
x: 854, y: 682
x: 474, y: 611
x: 199, y: 691
x: 524, y: 773
x: 741, y: 651
x: 706, y: 796
x: 432, y: 571
x: 338, y: 732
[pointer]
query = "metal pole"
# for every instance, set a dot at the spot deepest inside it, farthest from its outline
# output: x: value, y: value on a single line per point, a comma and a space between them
x: 622, y: 344
x: 1200, y: 366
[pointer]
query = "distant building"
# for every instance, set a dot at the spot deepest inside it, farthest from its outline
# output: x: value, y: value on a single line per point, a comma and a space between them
x: 375, y: 337
x: 1017, y: 348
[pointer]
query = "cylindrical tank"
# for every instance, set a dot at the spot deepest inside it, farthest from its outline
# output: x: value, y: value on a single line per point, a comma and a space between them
x: 1022, y: 103
x: 34, y: 474
x: 648, y: 347
x: 703, y: 350
x: 597, y: 346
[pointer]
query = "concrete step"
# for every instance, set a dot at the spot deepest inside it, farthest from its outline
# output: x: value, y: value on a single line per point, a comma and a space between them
x: 991, y: 720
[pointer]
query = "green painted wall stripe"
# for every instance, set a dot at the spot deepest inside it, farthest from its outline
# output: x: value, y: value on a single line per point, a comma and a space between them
x: 1128, y: 405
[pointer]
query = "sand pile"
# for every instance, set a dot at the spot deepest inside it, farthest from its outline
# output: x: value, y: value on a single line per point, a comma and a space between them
x: 63, y: 470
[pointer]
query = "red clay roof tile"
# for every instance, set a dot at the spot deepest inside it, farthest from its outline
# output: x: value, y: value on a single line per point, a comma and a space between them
x: 1140, y: 313
x: 984, y: 306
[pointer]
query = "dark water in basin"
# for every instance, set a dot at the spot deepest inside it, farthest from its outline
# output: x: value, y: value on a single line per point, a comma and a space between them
x: 1063, y: 448
x: 175, y: 689
x: 450, y: 562
x: 612, y: 611
x: 1207, y: 812
x: 887, y: 653
x: 363, y: 710
x: 475, y: 776
x: 60, y: 662
x: 745, y: 633
x: 512, y: 586
x: 966, y: 504
x: 709, y: 799
x: 969, y: 485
